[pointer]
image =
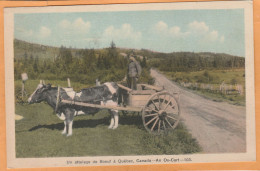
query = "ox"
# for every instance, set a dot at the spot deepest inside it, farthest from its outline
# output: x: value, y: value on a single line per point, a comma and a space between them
x: 105, y: 94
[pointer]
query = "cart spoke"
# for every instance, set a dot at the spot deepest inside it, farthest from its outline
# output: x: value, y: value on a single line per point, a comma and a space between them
x: 172, y: 114
x: 149, y: 109
x: 168, y: 122
x: 154, y: 124
x: 151, y: 120
x: 151, y: 115
x: 167, y: 105
x: 173, y: 106
x: 171, y: 117
x: 160, y: 103
x: 164, y: 98
x: 155, y: 105
x: 159, y: 126
x: 164, y: 125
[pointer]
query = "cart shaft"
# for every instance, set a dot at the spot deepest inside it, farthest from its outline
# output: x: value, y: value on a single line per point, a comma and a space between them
x: 127, y: 108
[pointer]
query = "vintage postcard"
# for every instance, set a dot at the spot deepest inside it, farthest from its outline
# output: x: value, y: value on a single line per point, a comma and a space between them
x: 129, y: 84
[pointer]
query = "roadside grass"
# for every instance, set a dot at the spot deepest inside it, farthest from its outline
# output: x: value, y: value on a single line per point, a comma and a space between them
x: 234, y: 99
x: 213, y: 77
x: 39, y: 135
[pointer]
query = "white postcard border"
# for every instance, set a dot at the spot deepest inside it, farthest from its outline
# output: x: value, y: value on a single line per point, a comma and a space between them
x: 14, y: 162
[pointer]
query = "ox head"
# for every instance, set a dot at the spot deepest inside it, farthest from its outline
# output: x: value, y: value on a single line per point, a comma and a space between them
x: 39, y: 94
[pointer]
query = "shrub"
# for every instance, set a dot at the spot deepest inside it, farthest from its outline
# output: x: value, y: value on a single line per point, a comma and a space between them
x: 233, y: 81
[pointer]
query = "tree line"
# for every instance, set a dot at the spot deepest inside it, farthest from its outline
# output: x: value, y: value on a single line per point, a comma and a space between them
x: 87, y: 65
x: 81, y: 65
x: 188, y: 61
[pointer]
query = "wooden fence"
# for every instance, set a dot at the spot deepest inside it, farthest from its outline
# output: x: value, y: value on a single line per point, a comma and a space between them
x: 216, y: 88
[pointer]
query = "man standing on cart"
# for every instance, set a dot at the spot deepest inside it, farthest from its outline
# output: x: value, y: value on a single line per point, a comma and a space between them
x: 133, y: 72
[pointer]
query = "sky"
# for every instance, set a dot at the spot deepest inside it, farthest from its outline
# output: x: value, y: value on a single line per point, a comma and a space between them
x: 217, y: 31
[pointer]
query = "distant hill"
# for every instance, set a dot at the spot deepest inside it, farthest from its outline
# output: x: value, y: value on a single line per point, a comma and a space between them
x: 44, y: 51
x: 175, y: 61
x: 36, y: 50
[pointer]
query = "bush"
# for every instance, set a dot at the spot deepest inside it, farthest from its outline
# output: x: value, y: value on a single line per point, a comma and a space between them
x: 178, y: 79
x: 202, y: 79
x: 146, y: 77
x: 233, y: 81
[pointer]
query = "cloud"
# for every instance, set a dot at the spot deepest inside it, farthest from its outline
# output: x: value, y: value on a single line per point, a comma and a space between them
x: 203, y: 32
x: 198, y: 27
x: 77, y: 25
x: 44, y: 32
x: 161, y: 26
x: 28, y: 34
x: 64, y: 24
x: 24, y: 32
x: 222, y: 39
x: 125, y: 32
x: 213, y: 35
x: 175, y: 31
x: 195, y: 30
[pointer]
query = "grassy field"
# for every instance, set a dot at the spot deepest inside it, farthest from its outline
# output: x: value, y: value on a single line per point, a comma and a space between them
x: 213, y: 77
x: 39, y: 134
x: 210, y: 76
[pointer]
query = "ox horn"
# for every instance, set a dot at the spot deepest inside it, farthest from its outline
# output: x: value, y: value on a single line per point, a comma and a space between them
x: 40, y: 81
x: 43, y: 82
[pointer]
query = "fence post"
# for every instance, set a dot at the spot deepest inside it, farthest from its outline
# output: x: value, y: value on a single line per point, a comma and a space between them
x: 22, y: 89
x: 24, y: 78
x: 68, y: 82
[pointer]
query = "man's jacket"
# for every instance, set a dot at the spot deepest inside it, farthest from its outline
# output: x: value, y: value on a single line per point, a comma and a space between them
x: 134, y: 69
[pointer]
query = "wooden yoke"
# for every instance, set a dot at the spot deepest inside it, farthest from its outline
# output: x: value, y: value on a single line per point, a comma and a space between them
x: 125, y: 88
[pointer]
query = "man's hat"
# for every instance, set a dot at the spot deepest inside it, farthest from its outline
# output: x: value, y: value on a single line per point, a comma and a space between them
x: 132, y: 58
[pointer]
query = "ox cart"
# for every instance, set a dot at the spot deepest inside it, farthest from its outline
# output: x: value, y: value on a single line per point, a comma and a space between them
x: 160, y: 109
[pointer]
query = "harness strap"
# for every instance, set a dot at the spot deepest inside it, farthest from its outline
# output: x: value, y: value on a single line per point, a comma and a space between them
x: 58, y: 99
x: 73, y: 101
x: 74, y: 98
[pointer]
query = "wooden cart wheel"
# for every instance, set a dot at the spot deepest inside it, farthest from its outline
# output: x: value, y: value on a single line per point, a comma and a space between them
x: 161, y: 113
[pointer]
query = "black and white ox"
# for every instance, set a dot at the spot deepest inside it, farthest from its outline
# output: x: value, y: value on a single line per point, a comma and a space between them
x: 105, y: 94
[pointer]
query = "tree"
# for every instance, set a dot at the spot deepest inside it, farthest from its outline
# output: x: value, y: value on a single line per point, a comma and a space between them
x: 143, y: 63
x: 100, y: 62
x: 88, y: 60
x: 25, y: 58
x: 31, y: 59
x: 66, y: 55
x: 35, y: 66
x: 112, y: 45
x: 112, y: 54
x: 64, y: 59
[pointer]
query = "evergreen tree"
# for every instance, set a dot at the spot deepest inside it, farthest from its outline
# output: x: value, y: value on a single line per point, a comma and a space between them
x: 25, y: 58
x: 64, y: 59
x: 112, y: 54
x: 35, y: 66
x: 31, y: 59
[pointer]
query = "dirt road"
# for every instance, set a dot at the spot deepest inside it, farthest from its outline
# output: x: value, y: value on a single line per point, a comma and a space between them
x: 219, y: 127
